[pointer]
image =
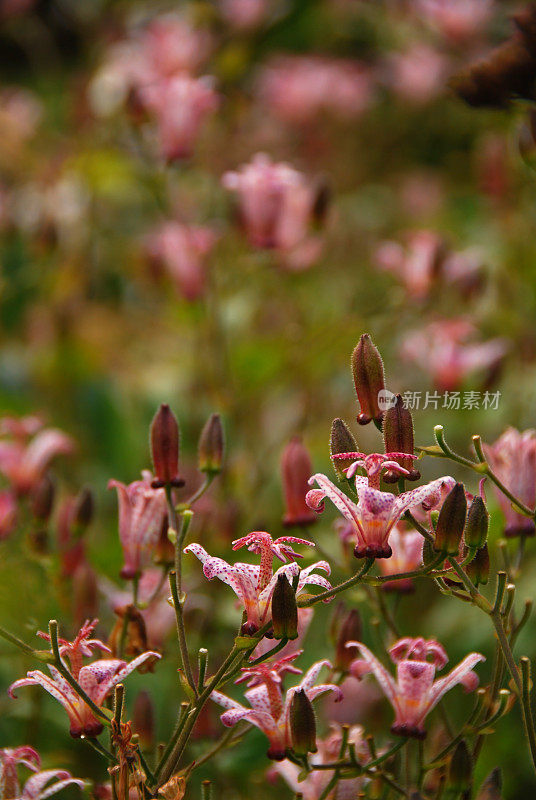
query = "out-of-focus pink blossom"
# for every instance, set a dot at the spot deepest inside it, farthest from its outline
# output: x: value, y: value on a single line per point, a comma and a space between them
x: 8, y: 513
x: 183, y: 251
x: 270, y: 709
x: 415, y: 692
x: 299, y: 88
x: 457, y: 20
x: 444, y: 350
x: 20, y: 112
x: 244, y: 15
x: 328, y: 751
x: 142, y: 510
x: 407, y: 548
x: 417, y: 74
x: 426, y: 260
x: 276, y: 205
x: 24, y: 464
x: 513, y: 458
x: 180, y: 106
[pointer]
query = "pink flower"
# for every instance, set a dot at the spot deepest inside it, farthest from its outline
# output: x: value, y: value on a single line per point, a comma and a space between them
x: 328, y: 751
x: 96, y: 679
x: 35, y: 787
x: 142, y: 511
x: 457, y: 20
x: 244, y: 15
x: 442, y: 348
x: 276, y: 205
x: 10, y: 758
x: 269, y: 709
x: 254, y: 584
x: 407, y: 546
x: 24, y: 464
x: 300, y: 88
x: 170, y: 45
x: 418, y: 74
x: 513, y: 458
x: 374, y: 464
x: 8, y: 513
x: 182, y: 250
x: 415, y: 692
x: 180, y: 106
x: 376, y: 512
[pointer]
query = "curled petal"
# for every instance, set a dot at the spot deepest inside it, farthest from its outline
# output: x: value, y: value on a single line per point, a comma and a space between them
x: 457, y: 675
x: 34, y: 788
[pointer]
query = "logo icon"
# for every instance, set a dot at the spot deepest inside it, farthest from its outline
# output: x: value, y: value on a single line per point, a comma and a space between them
x: 386, y: 399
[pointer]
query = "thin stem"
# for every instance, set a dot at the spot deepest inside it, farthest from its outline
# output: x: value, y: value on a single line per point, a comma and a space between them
x: 96, y: 745
x: 10, y: 637
x: 337, y: 589
x: 209, y: 477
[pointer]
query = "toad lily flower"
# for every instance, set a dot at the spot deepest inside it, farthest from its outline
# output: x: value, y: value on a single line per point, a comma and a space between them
x: 375, y: 513
x: 254, y: 584
x: 36, y: 787
x: 415, y: 692
x: 142, y: 511
x: 96, y: 680
x: 25, y: 463
x: 269, y: 709
x: 374, y: 464
x: 10, y: 758
x: 513, y: 458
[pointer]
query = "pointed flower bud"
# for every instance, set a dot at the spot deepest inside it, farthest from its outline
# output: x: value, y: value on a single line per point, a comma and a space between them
x: 143, y: 719
x: 43, y: 498
x: 302, y: 724
x: 296, y: 469
x: 476, y: 527
x: 451, y: 522
x: 165, y: 448
x: 341, y: 441
x: 350, y: 630
x: 478, y: 568
x: 398, y: 438
x: 369, y: 379
x: 211, y: 446
x: 84, y: 509
x: 284, y: 610
x: 460, y: 768
x: 491, y: 788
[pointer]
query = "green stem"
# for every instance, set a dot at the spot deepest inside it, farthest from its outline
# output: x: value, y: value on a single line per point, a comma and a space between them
x: 340, y: 588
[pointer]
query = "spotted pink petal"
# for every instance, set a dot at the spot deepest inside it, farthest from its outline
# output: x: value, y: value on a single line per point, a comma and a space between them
x: 454, y: 677
x: 34, y: 788
x: 385, y: 680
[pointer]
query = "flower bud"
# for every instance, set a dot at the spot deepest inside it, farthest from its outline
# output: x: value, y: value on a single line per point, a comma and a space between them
x: 43, y: 498
x: 211, y: 446
x: 83, y: 510
x: 143, y: 719
x: 296, y: 469
x: 460, y: 768
x: 476, y: 526
x: 165, y: 448
x: 478, y: 568
x: 491, y: 787
x: 284, y: 610
x: 398, y: 438
x: 341, y: 441
x: 322, y: 199
x: 451, y: 522
x: 350, y: 630
x: 369, y: 379
x: 302, y: 724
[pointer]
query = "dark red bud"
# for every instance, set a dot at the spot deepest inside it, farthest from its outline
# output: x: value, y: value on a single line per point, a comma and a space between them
x: 451, y: 522
x: 302, y: 724
x: 143, y: 719
x: 211, y: 446
x: 165, y: 448
x: 350, y: 630
x: 369, y: 379
x: 398, y: 438
x: 284, y: 610
x: 296, y: 469
x: 84, y: 509
x: 43, y: 498
x: 341, y: 441
x: 476, y: 527
x: 478, y: 568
